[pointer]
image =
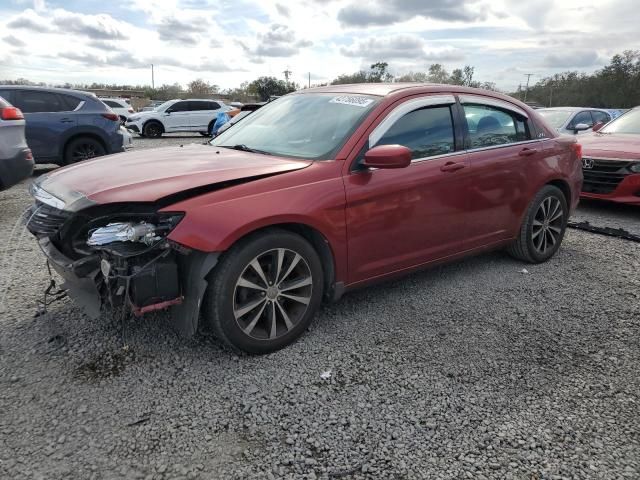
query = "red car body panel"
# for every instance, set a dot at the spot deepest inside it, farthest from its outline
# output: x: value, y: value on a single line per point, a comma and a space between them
x: 377, y: 223
x: 611, y: 147
x: 138, y: 176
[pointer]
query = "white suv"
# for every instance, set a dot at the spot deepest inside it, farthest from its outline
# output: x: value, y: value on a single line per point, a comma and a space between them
x: 191, y: 115
x: 120, y: 106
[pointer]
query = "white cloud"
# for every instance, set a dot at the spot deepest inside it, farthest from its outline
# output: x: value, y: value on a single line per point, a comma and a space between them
x: 230, y: 42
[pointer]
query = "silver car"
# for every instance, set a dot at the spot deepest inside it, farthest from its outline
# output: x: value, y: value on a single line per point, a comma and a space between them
x: 575, y: 120
x: 16, y: 160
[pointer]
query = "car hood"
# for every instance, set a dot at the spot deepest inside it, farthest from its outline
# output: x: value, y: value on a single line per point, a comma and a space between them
x: 611, y: 145
x: 150, y: 175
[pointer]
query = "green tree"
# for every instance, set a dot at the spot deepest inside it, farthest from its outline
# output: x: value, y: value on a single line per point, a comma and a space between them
x: 379, y: 73
x: 267, y: 87
x: 438, y: 74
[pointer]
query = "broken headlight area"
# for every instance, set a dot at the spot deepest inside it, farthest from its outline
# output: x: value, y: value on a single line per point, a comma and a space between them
x: 139, y: 267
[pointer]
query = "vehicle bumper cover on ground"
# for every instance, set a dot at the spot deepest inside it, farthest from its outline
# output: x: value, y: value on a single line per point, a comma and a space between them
x: 15, y: 169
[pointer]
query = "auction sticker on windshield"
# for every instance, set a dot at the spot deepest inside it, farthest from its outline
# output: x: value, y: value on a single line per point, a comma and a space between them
x: 352, y: 100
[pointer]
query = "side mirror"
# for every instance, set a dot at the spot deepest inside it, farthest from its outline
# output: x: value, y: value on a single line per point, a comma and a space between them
x: 598, y: 126
x: 581, y: 127
x: 387, y: 156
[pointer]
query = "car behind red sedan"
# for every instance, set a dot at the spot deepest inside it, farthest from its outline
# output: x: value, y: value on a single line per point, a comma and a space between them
x: 317, y: 193
x: 611, y: 161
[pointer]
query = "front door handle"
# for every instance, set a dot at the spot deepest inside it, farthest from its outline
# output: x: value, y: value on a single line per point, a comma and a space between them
x: 452, y: 167
x: 527, y: 152
x: 66, y: 120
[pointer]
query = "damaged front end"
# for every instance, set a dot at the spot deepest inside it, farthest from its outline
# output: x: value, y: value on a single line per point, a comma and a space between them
x: 118, y: 256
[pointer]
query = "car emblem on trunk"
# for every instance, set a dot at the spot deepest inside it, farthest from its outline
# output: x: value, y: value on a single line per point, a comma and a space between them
x: 588, y: 163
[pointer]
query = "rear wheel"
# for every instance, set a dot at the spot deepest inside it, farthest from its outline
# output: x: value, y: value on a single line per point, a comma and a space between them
x: 153, y: 129
x: 543, y: 227
x: 83, y: 148
x: 265, y: 292
x: 204, y: 134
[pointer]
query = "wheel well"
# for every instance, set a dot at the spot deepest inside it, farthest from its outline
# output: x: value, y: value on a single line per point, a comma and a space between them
x: 317, y: 241
x: 81, y: 135
x: 564, y: 188
x: 152, y: 120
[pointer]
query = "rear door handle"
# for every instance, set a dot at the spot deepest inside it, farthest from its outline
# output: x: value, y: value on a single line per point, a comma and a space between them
x: 452, y: 167
x: 527, y: 152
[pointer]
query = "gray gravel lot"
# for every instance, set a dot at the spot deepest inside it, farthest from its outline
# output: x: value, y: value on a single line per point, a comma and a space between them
x: 471, y: 370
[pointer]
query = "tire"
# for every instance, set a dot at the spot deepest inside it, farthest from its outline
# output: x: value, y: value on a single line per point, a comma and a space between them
x: 123, y: 120
x: 204, y: 134
x: 210, y: 127
x: 153, y: 129
x: 543, y: 227
x: 83, y: 148
x: 239, y: 304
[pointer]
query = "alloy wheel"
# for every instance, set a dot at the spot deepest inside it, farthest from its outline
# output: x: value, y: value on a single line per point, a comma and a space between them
x: 547, y: 225
x: 272, y: 294
x: 84, y: 151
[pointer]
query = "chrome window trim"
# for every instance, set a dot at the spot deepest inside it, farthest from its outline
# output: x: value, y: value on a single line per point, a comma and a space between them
x: 407, y: 107
x: 456, y: 153
x: 492, y: 102
x: 493, y: 147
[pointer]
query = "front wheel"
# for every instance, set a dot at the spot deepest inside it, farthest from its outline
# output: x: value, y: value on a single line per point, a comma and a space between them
x: 543, y: 227
x: 265, y: 292
x: 153, y: 129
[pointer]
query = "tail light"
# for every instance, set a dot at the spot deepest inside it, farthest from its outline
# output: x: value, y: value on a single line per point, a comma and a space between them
x: 11, y: 113
x: 111, y: 116
x: 28, y: 154
x: 577, y: 149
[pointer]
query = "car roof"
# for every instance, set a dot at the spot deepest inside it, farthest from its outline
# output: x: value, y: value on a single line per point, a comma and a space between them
x: 406, y: 89
x: 48, y: 89
x: 573, y: 109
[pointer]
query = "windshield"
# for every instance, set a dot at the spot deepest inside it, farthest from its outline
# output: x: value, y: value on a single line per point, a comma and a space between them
x: 627, y: 123
x: 557, y: 118
x: 310, y: 126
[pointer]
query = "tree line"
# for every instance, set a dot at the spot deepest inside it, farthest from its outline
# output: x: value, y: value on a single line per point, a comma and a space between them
x: 617, y: 85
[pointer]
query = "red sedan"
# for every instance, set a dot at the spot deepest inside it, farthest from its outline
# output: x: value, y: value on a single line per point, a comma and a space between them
x: 611, y: 161
x: 315, y: 194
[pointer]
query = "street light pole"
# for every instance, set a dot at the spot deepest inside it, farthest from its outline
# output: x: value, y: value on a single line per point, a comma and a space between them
x: 153, y: 83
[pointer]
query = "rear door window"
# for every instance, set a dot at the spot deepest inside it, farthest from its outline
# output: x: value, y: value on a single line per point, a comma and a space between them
x: 213, y: 106
x: 198, y: 106
x: 491, y: 126
x: 34, y: 101
x: 71, y: 102
x: 111, y: 103
x: 426, y: 132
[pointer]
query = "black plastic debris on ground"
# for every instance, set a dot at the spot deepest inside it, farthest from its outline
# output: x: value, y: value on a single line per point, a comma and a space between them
x: 608, y: 231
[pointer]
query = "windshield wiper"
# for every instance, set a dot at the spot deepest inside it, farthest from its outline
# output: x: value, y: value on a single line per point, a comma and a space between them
x: 243, y: 148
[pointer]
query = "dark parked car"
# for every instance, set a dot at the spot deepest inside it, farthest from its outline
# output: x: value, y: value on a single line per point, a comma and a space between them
x: 317, y: 193
x: 16, y: 161
x: 65, y: 126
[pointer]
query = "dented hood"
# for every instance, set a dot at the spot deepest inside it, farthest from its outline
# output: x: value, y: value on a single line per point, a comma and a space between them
x: 150, y: 175
x: 611, y: 145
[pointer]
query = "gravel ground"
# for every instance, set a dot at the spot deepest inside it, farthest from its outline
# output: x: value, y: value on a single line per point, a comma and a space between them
x: 471, y: 370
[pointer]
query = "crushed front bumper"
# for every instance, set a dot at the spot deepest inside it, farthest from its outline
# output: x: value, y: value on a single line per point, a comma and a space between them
x: 82, y: 279
x: 80, y: 276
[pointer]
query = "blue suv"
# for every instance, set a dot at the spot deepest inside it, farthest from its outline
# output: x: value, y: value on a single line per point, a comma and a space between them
x: 65, y: 126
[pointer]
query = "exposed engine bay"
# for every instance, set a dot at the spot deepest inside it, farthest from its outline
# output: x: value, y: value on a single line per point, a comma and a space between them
x: 118, y: 256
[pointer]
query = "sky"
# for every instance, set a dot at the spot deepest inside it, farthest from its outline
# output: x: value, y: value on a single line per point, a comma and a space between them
x: 228, y: 42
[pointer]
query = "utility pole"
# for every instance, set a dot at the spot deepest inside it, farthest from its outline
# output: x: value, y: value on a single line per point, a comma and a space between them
x: 153, y: 83
x: 287, y: 72
x: 528, y: 75
x: 309, y: 79
x: 550, y: 95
